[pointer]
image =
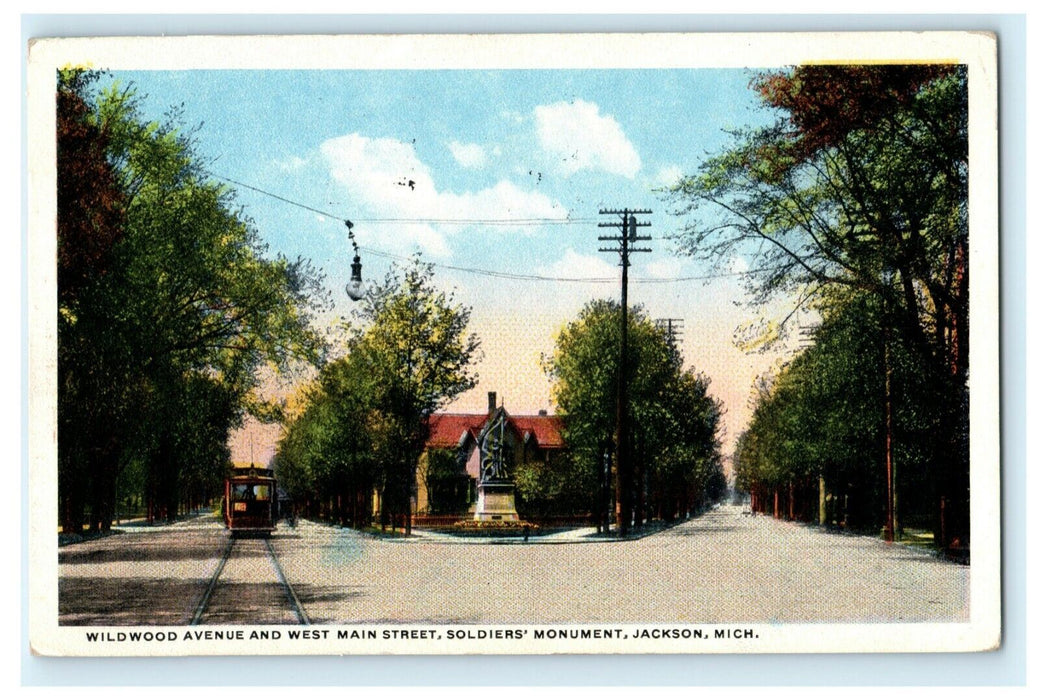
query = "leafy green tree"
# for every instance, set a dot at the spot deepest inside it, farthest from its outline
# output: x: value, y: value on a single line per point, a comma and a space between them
x: 860, y: 185
x: 674, y: 421
x: 822, y: 417
x: 339, y: 448
x: 416, y: 356
x: 688, y: 470
x: 294, y: 460
x: 174, y: 307
x: 96, y: 388
x: 557, y: 488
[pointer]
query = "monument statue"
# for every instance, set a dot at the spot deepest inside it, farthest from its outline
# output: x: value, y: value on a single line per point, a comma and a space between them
x: 496, y: 494
x: 492, y: 464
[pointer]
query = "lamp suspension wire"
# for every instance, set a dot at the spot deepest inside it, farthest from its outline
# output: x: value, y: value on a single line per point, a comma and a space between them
x: 499, y: 274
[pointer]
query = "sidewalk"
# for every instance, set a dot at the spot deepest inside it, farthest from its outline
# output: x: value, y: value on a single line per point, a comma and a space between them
x: 584, y: 534
x: 135, y: 526
x: 578, y: 535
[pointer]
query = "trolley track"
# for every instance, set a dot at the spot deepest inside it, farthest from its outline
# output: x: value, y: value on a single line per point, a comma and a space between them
x: 249, y: 586
x: 290, y: 593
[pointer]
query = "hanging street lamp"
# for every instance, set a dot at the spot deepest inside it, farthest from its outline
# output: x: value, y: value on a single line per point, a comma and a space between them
x: 355, y: 287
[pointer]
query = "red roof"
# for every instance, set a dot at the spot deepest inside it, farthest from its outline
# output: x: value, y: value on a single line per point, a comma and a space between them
x: 447, y: 429
x: 547, y: 430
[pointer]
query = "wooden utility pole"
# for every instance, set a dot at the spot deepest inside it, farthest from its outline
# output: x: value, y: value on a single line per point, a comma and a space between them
x: 890, y: 468
x: 672, y: 329
x: 891, y: 530
x: 623, y: 438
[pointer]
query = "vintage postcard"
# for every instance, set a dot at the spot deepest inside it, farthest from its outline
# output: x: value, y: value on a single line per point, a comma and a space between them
x: 515, y: 344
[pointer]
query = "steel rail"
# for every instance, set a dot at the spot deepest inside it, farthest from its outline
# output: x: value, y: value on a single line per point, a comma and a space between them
x: 289, y: 592
x: 200, y: 609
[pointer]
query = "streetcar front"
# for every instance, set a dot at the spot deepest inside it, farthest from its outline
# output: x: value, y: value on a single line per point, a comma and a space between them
x: 250, y: 501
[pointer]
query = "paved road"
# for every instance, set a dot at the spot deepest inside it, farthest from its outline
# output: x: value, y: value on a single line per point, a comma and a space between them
x: 149, y: 575
x: 721, y: 567
x: 248, y: 590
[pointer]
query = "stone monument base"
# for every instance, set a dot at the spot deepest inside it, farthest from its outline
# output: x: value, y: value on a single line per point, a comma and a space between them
x: 496, y: 501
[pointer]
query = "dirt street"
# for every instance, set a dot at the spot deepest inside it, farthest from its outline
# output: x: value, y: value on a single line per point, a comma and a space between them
x: 721, y: 567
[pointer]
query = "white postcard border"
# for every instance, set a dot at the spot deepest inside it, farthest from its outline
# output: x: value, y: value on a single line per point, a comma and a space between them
x: 977, y: 50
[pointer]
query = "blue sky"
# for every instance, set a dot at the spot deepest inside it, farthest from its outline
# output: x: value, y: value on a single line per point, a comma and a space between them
x: 484, y: 145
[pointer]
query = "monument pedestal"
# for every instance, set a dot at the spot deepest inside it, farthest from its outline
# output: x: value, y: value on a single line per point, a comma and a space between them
x: 496, y: 501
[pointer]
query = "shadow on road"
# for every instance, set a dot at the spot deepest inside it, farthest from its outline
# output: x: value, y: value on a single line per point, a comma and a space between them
x: 315, y: 595
x: 699, y: 530
x: 126, y: 601
x: 139, y: 550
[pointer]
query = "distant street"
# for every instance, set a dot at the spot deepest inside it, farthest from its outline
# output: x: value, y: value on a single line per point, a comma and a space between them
x: 721, y: 567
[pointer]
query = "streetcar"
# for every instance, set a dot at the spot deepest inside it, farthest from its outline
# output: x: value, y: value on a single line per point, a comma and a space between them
x: 250, y: 501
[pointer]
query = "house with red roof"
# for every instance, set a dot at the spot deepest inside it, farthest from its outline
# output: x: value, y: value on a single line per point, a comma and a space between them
x: 450, y: 468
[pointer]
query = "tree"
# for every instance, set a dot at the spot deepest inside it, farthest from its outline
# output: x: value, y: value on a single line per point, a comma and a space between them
x: 95, y: 391
x: 165, y: 321
x: 689, y: 470
x: 416, y: 356
x: 860, y: 185
x: 675, y: 421
x: 819, y: 425
x: 90, y: 204
x: 325, y: 459
x: 448, y: 491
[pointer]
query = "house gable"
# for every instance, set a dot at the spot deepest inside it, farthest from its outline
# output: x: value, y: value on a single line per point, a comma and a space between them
x: 527, y: 438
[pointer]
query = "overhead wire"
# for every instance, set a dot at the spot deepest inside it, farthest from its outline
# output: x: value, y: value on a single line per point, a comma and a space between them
x: 504, y: 221
x: 545, y: 278
x: 500, y: 274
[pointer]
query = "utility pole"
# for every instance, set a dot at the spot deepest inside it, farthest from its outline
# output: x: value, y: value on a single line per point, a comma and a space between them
x: 623, y: 440
x: 672, y: 329
x: 891, y: 530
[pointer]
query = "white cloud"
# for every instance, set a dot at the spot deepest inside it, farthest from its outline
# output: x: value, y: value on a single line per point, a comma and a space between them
x: 512, y: 116
x: 667, y: 176
x: 383, y: 171
x: 578, y: 137
x: 664, y: 268
x: 468, y: 155
x: 404, y: 238
x: 385, y: 179
x: 576, y: 266
x: 503, y: 201
x: 738, y: 265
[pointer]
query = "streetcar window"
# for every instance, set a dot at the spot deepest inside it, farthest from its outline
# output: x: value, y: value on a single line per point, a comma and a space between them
x: 251, y: 492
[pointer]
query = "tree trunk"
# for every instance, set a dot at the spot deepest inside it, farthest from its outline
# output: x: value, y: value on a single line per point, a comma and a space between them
x: 822, y: 513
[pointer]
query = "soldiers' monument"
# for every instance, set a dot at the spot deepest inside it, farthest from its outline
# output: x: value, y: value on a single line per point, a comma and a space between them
x: 496, y: 492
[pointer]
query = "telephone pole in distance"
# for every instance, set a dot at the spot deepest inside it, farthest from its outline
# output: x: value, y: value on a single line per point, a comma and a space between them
x: 623, y: 439
x: 672, y: 329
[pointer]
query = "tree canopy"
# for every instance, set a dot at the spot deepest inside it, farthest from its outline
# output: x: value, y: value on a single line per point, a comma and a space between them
x: 858, y: 189
x: 863, y: 172
x: 365, y: 425
x: 822, y: 417
x: 167, y: 306
x: 676, y: 422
